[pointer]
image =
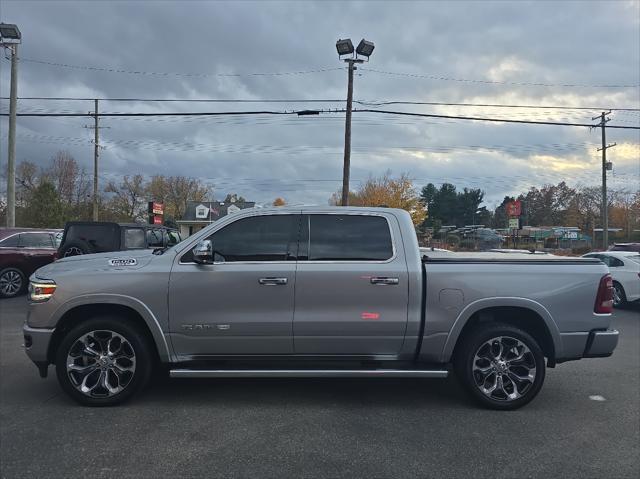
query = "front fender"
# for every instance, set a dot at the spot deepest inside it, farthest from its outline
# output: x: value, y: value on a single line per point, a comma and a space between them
x: 138, y: 306
x: 486, y: 303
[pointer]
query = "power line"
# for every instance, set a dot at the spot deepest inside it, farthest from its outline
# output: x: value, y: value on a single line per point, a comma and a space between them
x: 498, y: 120
x: 318, y: 70
x: 166, y: 74
x: 266, y: 112
x: 494, y: 82
x: 315, y: 100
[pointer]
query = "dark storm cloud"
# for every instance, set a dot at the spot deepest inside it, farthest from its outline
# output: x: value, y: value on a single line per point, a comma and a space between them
x: 540, y: 42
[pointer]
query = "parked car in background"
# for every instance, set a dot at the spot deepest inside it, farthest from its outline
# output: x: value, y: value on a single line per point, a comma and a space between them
x: 86, y: 237
x: 518, y: 251
x: 625, y: 270
x: 625, y: 247
x: 22, y: 251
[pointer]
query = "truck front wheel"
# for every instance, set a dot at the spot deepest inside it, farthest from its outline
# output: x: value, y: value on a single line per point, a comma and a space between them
x: 103, y: 361
x: 500, y: 365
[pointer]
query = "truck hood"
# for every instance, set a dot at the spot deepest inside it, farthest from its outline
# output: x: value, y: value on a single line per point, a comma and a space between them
x: 115, y: 260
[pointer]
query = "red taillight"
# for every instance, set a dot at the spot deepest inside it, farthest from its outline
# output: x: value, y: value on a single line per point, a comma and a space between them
x: 604, y: 298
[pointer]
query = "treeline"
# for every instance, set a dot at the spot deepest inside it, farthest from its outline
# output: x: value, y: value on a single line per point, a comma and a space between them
x: 47, y: 197
x: 63, y: 191
x: 550, y: 205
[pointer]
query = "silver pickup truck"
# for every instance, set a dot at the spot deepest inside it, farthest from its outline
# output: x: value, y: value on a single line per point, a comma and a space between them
x: 305, y: 292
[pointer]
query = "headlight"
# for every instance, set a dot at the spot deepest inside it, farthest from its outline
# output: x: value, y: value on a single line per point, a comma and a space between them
x: 40, y: 291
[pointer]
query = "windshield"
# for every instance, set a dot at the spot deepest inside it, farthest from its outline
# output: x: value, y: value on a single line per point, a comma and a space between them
x: 634, y: 258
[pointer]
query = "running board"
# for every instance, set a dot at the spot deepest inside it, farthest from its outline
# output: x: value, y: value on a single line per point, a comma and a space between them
x: 306, y: 373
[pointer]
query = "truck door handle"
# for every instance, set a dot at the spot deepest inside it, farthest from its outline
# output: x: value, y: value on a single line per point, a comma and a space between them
x: 273, y: 281
x: 384, y: 280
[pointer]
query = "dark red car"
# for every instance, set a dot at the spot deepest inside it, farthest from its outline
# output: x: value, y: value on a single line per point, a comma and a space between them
x: 22, y: 251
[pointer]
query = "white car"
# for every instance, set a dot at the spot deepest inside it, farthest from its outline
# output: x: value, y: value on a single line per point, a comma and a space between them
x: 625, y: 270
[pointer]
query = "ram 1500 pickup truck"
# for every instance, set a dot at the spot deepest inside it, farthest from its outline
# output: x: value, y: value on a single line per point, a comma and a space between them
x: 315, y: 292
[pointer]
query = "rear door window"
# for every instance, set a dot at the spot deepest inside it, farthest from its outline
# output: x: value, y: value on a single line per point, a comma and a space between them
x: 36, y: 240
x: 134, y: 238
x: 346, y: 238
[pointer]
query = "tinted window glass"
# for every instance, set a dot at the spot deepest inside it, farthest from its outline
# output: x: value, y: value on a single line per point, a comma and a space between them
x: 614, y: 262
x: 10, y: 242
x: 259, y: 238
x: 100, y: 236
x: 173, y: 237
x: 349, y: 237
x: 155, y: 238
x: 134, y: 238
x: 36, y: 240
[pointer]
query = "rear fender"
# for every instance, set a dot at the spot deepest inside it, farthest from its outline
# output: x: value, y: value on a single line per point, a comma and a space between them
x: 486, y: 303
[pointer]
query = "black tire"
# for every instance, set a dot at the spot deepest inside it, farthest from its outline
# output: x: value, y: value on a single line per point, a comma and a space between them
x: 12, y: 282
x: 619, y: 296
x: 75, y: 248
x: 134, y: 340
x: 472, y: 357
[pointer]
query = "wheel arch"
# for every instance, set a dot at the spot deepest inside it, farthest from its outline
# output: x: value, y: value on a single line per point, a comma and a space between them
x: 75, y: 312
x: 523, y: 313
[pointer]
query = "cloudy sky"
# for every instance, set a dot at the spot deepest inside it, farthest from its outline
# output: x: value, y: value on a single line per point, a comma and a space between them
x: 563, y: 53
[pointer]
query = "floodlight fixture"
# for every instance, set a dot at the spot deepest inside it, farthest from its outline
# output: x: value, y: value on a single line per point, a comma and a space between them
x: 9, y: 33
x: 365, y: 48
x: 344, y: 47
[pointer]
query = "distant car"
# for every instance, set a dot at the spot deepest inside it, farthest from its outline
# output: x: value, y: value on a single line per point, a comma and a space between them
x: 625, y: 247
x: 625, y: 270
x: 518, y: 251
x: 22, y: 251
x: 86, y: 237
x: 487, y: 239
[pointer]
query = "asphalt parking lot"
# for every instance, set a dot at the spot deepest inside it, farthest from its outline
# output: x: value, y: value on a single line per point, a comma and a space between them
x: 323, y: 428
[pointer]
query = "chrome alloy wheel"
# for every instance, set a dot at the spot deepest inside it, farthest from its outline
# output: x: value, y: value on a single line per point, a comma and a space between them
x: 504, y: 368
x: 73, y: 251
x: 101, y: 363
x: 10, y: 283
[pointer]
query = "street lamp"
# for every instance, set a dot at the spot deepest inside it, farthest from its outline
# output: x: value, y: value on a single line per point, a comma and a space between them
x: 10, y: 38
x: 364, y: 49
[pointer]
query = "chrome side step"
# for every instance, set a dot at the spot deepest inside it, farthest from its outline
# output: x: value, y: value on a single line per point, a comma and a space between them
x: 306, y: 373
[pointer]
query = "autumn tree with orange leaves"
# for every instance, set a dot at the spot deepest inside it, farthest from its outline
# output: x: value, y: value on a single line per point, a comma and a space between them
x: 387, y: 191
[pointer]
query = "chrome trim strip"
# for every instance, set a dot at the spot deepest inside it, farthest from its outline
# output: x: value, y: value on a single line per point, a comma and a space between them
x: 307, y: 373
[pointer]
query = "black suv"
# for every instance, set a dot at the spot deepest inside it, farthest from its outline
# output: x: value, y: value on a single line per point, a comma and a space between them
x: 85, y: 237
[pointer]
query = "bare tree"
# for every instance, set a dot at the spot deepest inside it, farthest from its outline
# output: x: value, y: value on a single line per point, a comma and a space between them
x: 63, y: 174
x: 128, y: 197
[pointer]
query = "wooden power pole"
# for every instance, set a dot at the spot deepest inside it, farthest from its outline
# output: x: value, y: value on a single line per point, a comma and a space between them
x: 605, y: 166
x: 347, y: 132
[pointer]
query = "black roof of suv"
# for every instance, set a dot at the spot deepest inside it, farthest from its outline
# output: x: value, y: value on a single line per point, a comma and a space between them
x: 85, y: 237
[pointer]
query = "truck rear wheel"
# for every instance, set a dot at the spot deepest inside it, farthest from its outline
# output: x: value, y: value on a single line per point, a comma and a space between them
x: 500, y: 365
x: 103, y: 362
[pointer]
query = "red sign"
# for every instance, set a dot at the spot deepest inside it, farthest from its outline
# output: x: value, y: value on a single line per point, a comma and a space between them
x: 157, y: 219
x: 156, y: 208
x: 514, y: 208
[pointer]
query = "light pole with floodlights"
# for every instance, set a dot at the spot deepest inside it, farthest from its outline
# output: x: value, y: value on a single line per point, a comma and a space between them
x: 364, y: 49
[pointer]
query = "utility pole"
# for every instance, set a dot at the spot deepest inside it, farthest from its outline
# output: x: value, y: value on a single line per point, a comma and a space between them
x: 605, y: 166
x: 96, y: 146
x: 11, y: 157
x: 10, y: 38
x: 347, y: 132
x: 96, y: 151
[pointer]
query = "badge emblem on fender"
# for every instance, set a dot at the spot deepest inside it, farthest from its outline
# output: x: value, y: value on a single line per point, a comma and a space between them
x: 123, y: 262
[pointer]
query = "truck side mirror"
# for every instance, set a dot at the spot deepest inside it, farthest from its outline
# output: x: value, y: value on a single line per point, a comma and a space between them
x: 203, y: 252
